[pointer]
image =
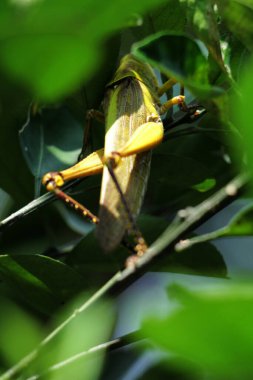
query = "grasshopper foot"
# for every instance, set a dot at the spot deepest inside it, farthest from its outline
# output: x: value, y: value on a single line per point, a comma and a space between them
x: 52, y: 181
x: 140, y: 250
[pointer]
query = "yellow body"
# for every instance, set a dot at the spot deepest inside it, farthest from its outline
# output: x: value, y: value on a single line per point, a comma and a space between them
x: 133, y: 127
x: 130, y: 106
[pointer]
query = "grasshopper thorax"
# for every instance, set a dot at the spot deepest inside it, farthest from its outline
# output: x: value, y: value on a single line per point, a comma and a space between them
x: 131, y: 67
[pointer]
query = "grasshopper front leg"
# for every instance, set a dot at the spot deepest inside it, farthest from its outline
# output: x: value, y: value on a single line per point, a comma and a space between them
x: 90, y: 116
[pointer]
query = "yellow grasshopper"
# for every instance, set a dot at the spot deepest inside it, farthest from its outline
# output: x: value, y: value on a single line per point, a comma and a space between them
x: 133, y: 127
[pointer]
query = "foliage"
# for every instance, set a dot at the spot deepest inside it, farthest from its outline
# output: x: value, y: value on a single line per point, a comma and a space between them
x: 55, y: 60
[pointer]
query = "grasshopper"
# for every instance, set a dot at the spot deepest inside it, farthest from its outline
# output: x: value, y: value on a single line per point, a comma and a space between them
x: 132, y: 114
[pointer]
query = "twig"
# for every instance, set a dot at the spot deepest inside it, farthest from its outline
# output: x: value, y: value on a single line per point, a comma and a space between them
x: 189, y: 218
x: 187, y: 243
x: 107, y: 346
x: 186, y: 219
x: 32, y: 206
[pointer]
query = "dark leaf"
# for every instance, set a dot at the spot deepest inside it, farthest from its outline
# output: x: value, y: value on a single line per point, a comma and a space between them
x: 179, y: 57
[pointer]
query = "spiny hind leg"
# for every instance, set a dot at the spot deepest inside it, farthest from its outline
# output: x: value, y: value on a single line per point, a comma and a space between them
x: 90, y: 165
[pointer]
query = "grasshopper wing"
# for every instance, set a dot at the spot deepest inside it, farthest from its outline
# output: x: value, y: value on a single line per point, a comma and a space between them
x: 129, y: 105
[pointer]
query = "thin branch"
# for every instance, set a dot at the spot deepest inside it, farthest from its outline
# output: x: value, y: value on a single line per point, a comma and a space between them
x: 32, y: 206
x: 27, y: 209
x: 186, y: 220
x: 187, y: 243
x: 107, y: 346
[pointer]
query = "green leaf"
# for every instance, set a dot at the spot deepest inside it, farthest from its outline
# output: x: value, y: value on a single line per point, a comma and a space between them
x: 206, y: 185
x: 237, y: 15
x: 207, y: 328
x: 201, y: 260
x: 42, y: 282
x: 89, y: 259
x: 63, y: 62
x: 181, y: 163
x: 169, y: 16
x: 15, y: 178
x: 20, y: 333
x: 91, y: 262
x: 52, y: 49
x: 88, y: 329
x: 179, y: 57
x: 243, y: 113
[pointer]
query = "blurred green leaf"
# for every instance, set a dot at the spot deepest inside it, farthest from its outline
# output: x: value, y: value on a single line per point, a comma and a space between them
x: 86, y: 330
x: 238, y: 57
x: 202, y: 23
x: 51, y: 49
x: 42, y: 282
x: 179, y: 57
x: 243, y: 113
x: 238, y: 17
x: 19, y: 332
x: 207, y: 328
x: 62, y: 64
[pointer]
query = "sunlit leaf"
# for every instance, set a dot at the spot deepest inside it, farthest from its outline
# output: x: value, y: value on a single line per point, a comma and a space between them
x: 52, y: 49
x: 85, y: 331
x: 207, y: 328
x: 20, y: 333
x: 243, y: 113
x: 206, y: 185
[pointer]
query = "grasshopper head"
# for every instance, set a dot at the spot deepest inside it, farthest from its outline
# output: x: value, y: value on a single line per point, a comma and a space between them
x: 52, y: 180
